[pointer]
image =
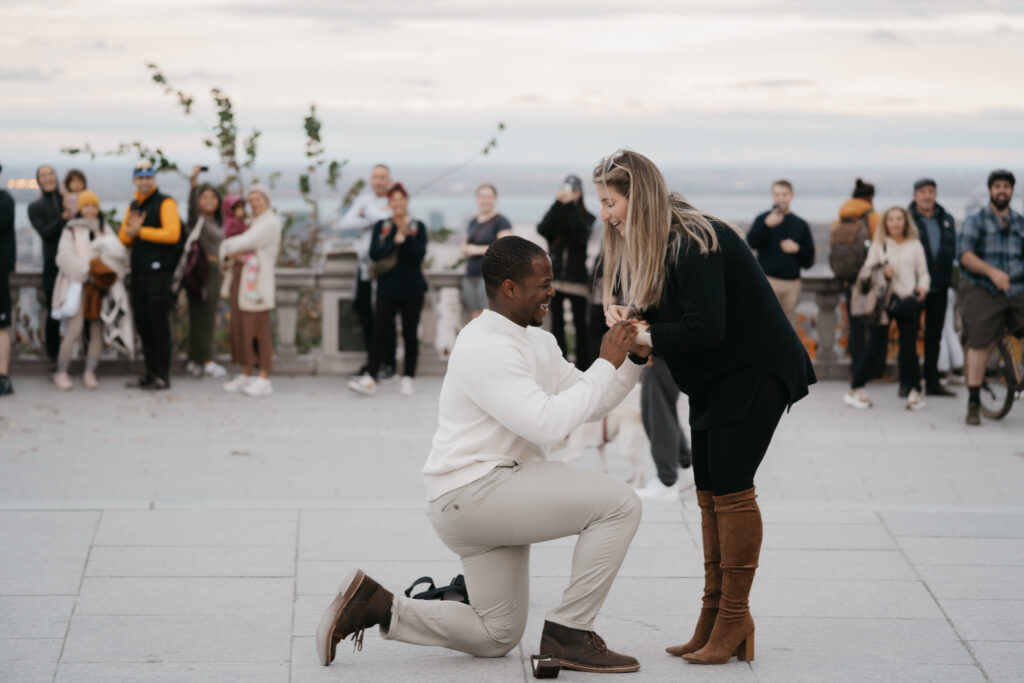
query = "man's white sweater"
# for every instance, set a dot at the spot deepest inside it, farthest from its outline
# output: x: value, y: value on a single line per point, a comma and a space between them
x: 508, y: 394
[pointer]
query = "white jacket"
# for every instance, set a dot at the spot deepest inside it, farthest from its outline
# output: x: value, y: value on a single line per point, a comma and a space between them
x: 263, y: 238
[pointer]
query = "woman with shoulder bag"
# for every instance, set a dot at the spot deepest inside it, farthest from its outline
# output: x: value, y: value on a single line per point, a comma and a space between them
x: 897, y: 251
x: 397, y: 248
x: 199, y: 275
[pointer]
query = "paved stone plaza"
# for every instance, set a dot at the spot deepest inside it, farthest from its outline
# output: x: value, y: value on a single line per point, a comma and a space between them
x: 197, y: 536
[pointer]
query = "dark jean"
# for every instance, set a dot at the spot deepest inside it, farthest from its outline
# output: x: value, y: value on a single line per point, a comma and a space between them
x: 151, y: 305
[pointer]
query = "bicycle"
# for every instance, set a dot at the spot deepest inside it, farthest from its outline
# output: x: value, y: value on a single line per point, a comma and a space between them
x: 1004, y: 376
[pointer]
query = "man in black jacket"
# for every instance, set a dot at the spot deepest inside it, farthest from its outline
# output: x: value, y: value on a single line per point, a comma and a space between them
x: 8, y: 255
x: 152, y: 228
x: 784, y: 245
x: 47, y: 217
x: 938, y: 236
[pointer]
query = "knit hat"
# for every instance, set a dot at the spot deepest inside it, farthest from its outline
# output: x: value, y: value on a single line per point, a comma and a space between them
x: 923, y: 182
x: 143, y: 169
x: 262, y: 189
x: 86, y: 197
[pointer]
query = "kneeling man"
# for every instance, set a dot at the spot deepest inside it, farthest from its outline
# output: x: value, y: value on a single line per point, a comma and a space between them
x: 507, y: 394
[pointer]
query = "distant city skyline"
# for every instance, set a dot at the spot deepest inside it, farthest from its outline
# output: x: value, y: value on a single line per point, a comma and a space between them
x: 793, y: 83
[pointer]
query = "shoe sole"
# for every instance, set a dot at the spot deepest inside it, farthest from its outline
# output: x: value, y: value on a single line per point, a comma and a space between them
x: 326, y: 644
x: 598, y: 669
x: 361, y: 390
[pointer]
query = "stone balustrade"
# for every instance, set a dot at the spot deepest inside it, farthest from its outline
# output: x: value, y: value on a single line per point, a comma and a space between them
x: 341, y: 349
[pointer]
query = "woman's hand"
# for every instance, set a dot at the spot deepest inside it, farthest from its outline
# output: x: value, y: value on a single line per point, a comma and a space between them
x: 921, y: 294
x: 643, y: 333
x: 889, y: 272
x: 616, y: 314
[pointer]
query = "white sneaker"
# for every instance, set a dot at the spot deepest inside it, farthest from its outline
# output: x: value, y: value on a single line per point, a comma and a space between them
x: 212, y: 369
x: 915, y: 401
x: 194, y: 369
x: 406, y: 385
x: 857, y: 398
x: 239, y: 383
x: 364, y: 385
x: 259, y: 386
x: 655, y: 490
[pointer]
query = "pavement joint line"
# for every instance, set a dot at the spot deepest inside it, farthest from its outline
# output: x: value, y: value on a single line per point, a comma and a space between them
x: 78, y: 594
x: 295, y: 593
x: 966, y: 645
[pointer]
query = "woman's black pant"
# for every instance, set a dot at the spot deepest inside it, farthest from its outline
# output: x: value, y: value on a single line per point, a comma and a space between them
x: 579, y: 321
x: 726, y: 457
x: 908, y: 324
x: 384, y: 332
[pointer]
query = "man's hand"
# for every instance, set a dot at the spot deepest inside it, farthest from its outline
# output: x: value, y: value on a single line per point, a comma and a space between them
x: 134, y: 224
x: 617, y: 342
x: 789, y: 246
x: 1000, y: 279
x: 774, y: 218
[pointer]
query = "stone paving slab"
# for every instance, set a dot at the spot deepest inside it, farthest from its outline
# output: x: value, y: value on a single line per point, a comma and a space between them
x: 199, y: 536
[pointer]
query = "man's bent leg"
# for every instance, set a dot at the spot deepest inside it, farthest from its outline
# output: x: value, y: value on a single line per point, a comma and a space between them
x: 499, y: 587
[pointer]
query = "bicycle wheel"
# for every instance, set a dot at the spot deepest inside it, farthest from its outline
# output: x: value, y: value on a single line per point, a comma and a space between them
x: 999, y: 387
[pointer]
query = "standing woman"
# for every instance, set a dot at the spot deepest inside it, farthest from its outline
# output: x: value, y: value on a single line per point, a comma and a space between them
x: 253, y: 294
x: 400, y: 289
x: 566, y: 226
x: 897, y: 249
x: 47, y: 217
x: 702, y: 301
x: 204, y: 216
x: 484, y: 230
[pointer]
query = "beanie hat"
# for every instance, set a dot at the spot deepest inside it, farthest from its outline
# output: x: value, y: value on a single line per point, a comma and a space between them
x: 262, y: 189
x: 86, y: 197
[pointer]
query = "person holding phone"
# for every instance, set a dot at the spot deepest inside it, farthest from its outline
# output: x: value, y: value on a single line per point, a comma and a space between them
x: 700, y: 300
x: 151, y: 229
x: 784, y: 245
x: 567, y: 226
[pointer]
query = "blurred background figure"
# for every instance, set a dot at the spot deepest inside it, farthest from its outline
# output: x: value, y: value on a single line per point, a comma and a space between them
x: 484, y: 229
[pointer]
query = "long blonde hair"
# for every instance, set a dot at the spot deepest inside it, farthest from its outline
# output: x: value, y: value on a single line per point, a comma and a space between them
x: 635, y: 264
x: 910, y: 232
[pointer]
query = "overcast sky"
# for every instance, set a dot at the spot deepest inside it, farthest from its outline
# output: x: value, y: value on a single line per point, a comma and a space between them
x: 796, y: 83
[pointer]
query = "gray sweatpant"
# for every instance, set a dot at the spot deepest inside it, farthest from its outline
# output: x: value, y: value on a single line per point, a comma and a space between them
x: 490, y: 523
x: 658, y: 398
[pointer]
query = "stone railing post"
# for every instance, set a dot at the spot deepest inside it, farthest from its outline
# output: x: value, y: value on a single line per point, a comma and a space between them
x: 290, y: 282
x: 826, y: 291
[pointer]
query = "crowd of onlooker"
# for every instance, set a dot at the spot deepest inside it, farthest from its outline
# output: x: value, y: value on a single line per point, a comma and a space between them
x: 899, y: 267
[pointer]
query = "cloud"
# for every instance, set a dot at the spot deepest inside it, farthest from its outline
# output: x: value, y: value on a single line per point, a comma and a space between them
x: 28, y: 74
x: 101, y: 45
x: 887, y: 37
x: 776, y: 84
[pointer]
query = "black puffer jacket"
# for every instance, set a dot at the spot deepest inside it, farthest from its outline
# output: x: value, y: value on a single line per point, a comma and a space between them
x: 940, y: 269
x: 566, y: 227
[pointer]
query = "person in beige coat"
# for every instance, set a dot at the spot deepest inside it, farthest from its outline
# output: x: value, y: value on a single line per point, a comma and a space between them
x: 897, y: 250
x: 252, y: 292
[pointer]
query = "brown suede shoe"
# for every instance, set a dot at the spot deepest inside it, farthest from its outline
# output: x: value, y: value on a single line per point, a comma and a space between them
x: 582, y: 651
x: 360, y: 604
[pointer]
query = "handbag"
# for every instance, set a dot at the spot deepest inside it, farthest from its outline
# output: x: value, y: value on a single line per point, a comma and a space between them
x: 869, y: 295
x: 387, y: 264
x: 456, y: 590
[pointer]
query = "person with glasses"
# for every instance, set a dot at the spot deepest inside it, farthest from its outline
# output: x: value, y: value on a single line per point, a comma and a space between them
x: 699, y: 298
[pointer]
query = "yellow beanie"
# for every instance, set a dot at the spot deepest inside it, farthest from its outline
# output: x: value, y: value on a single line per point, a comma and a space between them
x: 88, y: 197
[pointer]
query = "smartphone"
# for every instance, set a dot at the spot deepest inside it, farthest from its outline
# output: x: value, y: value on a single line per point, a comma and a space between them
x: 776, y: 207
x: 204, y: 169
x: 566, y: 187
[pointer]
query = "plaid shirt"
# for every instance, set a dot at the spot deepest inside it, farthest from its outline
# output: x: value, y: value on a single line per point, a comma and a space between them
x: 983, y: 234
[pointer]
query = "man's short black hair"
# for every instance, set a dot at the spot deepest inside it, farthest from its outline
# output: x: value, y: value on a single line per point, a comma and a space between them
x: 510, y: 258
x: 1001, y: 174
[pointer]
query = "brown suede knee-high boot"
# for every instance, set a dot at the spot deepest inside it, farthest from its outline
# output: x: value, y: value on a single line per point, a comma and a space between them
x: 712, y: 577
x: 739, y: 535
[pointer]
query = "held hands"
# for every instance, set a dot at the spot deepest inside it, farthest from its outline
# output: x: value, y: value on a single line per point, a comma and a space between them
x: 617, y: 342
x: 1000, y: 279
x: 789, y: 246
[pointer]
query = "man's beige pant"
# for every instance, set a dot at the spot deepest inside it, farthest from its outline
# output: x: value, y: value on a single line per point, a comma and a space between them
x: 490, y: 523
x: 788, y: 292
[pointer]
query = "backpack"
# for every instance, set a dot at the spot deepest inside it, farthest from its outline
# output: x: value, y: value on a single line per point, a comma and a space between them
x: 848, y: 247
